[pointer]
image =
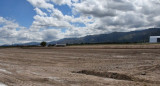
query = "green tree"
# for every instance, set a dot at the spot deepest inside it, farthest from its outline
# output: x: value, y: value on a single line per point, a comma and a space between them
x: 43, y: 43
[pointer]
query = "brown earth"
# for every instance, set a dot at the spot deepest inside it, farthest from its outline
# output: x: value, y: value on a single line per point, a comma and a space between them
x: 97, y: 65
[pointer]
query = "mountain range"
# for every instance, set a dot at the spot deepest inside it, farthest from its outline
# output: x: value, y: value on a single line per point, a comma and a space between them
x: 115, y: 37
x: 139, y: 36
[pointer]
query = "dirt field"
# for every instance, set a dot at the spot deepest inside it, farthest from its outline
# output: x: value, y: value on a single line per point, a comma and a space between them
x: 98, y: 65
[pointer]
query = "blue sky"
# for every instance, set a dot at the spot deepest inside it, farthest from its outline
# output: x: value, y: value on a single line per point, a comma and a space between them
x: 24, y: 21
x: 19, y: 10
x: 22, y: 11
x: 65, y: 9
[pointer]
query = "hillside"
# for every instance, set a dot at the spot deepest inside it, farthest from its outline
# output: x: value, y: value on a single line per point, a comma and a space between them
x: 115, y: 37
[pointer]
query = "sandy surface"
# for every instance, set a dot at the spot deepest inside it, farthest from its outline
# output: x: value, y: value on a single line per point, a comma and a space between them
x: 66, y: 66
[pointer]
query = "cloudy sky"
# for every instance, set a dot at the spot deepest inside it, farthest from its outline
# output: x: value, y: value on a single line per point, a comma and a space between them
x: 24, y: 21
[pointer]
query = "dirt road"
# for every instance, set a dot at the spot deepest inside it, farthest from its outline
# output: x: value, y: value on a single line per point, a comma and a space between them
x: 76, y: 66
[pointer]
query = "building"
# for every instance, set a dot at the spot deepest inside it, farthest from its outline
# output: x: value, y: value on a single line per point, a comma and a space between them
x: 60, y: 45
x: 154, y: 39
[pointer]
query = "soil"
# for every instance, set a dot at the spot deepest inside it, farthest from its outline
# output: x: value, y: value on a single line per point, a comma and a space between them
x: 97, y: 65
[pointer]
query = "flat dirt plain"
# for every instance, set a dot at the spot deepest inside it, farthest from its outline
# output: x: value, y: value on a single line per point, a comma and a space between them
x: 93, y: 65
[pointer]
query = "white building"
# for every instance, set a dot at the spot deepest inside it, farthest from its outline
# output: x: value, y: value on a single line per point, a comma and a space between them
x: 154, y: 39
x: 60, y: 45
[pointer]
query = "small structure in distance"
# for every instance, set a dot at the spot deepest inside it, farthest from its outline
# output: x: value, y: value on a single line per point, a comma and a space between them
x: 60, y: 45
x: 154, y: 39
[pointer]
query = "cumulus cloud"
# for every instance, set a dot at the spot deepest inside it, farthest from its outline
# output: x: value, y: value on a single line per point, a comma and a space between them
x: 112, y: 14
x: 52, y: 34
x: 49, y: 22
x: 62, y: 2
x: 41, y: 4
x: 9, y: 30
x: 87, y: 17
x: 39, y: 12
x: 101, y: 16
x: 12, y: 32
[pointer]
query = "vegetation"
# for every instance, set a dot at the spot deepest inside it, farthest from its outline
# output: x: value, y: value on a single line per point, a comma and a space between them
x: 141, y: 36
x: 43, y: 43
x: 50, y: 45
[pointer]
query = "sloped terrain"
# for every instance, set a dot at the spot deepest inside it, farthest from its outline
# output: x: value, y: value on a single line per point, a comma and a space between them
x: 115, y: 37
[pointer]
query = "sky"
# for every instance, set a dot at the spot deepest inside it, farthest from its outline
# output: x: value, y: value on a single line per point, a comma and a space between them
x: 23, y: 21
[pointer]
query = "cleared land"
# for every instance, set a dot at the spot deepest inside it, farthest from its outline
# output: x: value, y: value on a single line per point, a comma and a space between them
x: 96, y: 65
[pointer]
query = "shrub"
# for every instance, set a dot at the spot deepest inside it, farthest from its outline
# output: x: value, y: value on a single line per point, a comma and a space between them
x: 43, y: 43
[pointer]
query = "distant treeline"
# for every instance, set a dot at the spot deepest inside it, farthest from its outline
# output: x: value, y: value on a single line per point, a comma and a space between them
x: 107, y: 43
x: 67, y: 44
x: 18, y: 46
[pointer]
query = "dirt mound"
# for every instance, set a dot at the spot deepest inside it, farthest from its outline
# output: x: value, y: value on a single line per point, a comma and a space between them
x: 107, y: 74
x: 117, y: 76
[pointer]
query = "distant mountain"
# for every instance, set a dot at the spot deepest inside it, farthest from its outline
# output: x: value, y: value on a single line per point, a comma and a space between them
x: 23, y: 44
x: 115, y: 37
x: 31, y: 43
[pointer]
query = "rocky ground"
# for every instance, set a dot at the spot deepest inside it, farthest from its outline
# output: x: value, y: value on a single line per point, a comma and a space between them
x: 102, y: 65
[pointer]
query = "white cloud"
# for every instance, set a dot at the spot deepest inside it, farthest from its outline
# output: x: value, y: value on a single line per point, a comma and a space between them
x: 88, y: 17
x: 9, y: 30
x: 62, y: 2
x: 52, y: 34
x: 39, y: 12
x: 12, y: 32
x: 75, y: 1
x: 101, y: 16
x: 41, y: 4
x: 49, y: 22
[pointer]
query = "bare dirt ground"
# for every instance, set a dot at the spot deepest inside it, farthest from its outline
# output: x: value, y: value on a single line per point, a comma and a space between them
x: 97, y: 65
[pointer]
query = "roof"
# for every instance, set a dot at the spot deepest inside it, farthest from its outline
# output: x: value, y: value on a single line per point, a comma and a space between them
x: 154, y: 36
